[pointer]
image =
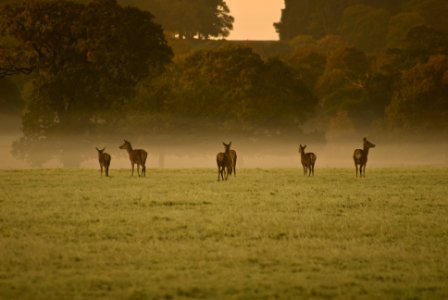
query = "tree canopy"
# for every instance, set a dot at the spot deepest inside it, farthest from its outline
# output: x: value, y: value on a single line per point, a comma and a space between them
x: 84, y: 60
x: 369, y: 25
x: 189, y: 19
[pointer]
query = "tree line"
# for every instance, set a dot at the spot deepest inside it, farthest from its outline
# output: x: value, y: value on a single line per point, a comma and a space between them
x: 98, y: 67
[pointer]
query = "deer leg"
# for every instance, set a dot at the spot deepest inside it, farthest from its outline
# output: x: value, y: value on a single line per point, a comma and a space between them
x: 132, y: 169
x: 144, y: 170
x: 101, y: 170
x: 107, y: 171
x: 138, y: 170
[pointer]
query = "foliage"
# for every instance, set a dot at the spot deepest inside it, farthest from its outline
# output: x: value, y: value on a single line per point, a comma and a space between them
x: 365, y: 27
x: 420, y: 102
x: 190, y: 18
x: 369, y: 25
x: 235, y: 84
x: 85, y: 59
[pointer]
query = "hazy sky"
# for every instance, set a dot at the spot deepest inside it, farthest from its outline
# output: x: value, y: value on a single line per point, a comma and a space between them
x: 254, y: 19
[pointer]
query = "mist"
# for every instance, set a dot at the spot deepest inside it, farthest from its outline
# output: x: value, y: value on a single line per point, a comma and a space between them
x: 199, y: 149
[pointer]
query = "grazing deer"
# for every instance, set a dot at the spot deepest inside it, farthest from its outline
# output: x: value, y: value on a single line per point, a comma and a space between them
x: 360, y: 157
x: 104, y: 159
x: 308, y: 160
x: 225, y: 162
x: 137, y: 156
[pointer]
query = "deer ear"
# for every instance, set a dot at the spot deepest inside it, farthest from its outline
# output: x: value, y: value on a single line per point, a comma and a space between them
x: 365, y: 139
x: 97, y: 149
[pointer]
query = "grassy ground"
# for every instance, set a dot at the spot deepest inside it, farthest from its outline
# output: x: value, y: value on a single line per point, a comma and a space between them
x: 179, y: 234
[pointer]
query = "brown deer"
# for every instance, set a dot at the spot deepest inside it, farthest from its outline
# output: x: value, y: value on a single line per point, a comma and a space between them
x: 224, y: 162
x: 360, y: 157
x: 104, y: 159
x: 308, y: 160
x: 136, y: 156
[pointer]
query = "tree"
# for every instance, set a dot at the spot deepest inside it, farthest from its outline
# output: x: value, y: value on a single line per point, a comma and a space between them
x: 342, y: 87
x: 309, y: 64
x: 309, y: 17
x: 85, y: 59
x: 419, y: 105
x: 365, y: 27
x: 434, y: 12
x: 423, y: 41
x: 399, y: 27
x: 234, y: 87
x: 190, y: 18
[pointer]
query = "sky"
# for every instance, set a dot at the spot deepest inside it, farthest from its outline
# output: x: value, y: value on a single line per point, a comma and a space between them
x: 254, y: 19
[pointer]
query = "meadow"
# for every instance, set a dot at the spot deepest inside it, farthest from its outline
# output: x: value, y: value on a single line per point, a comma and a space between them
x: 266, y: 234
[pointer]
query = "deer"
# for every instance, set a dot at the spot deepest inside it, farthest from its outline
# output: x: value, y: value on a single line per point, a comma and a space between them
x: 104, y: 159
x: 225, y: 162
x: 360, y: 157
x: 136, y: 156
x: 308, y: 160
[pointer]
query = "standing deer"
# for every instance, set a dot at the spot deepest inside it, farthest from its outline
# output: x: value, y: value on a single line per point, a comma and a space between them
x: 136, y: 156
x: 104, y: 159
x: 360, y: 157
x: 224, y: 162
x: 308, y: 160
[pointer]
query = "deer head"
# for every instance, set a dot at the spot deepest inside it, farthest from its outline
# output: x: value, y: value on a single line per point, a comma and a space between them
x: 368, y: 144
x: 126, y: 145
x: 302, y: 148
x: 227, y: 146
x: 100, y: 151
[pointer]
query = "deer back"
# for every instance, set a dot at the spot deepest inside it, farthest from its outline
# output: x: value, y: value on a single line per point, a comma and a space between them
x: 138, y: 156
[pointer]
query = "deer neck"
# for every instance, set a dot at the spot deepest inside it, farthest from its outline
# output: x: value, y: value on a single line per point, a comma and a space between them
x: 365, y: 152
x: 130, y: 150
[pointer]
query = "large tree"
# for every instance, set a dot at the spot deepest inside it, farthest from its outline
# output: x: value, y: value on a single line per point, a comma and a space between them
x: 190, y: 18
x: 84, y: 59
x: 234, y: 87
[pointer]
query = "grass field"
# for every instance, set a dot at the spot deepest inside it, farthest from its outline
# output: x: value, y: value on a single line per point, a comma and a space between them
x: 268, y: 233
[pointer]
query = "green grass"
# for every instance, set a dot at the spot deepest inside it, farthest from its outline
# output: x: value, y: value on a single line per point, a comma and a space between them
x: 179, y: 234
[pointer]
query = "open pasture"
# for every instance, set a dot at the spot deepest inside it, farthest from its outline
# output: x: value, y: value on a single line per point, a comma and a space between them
x: 268, y: 233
